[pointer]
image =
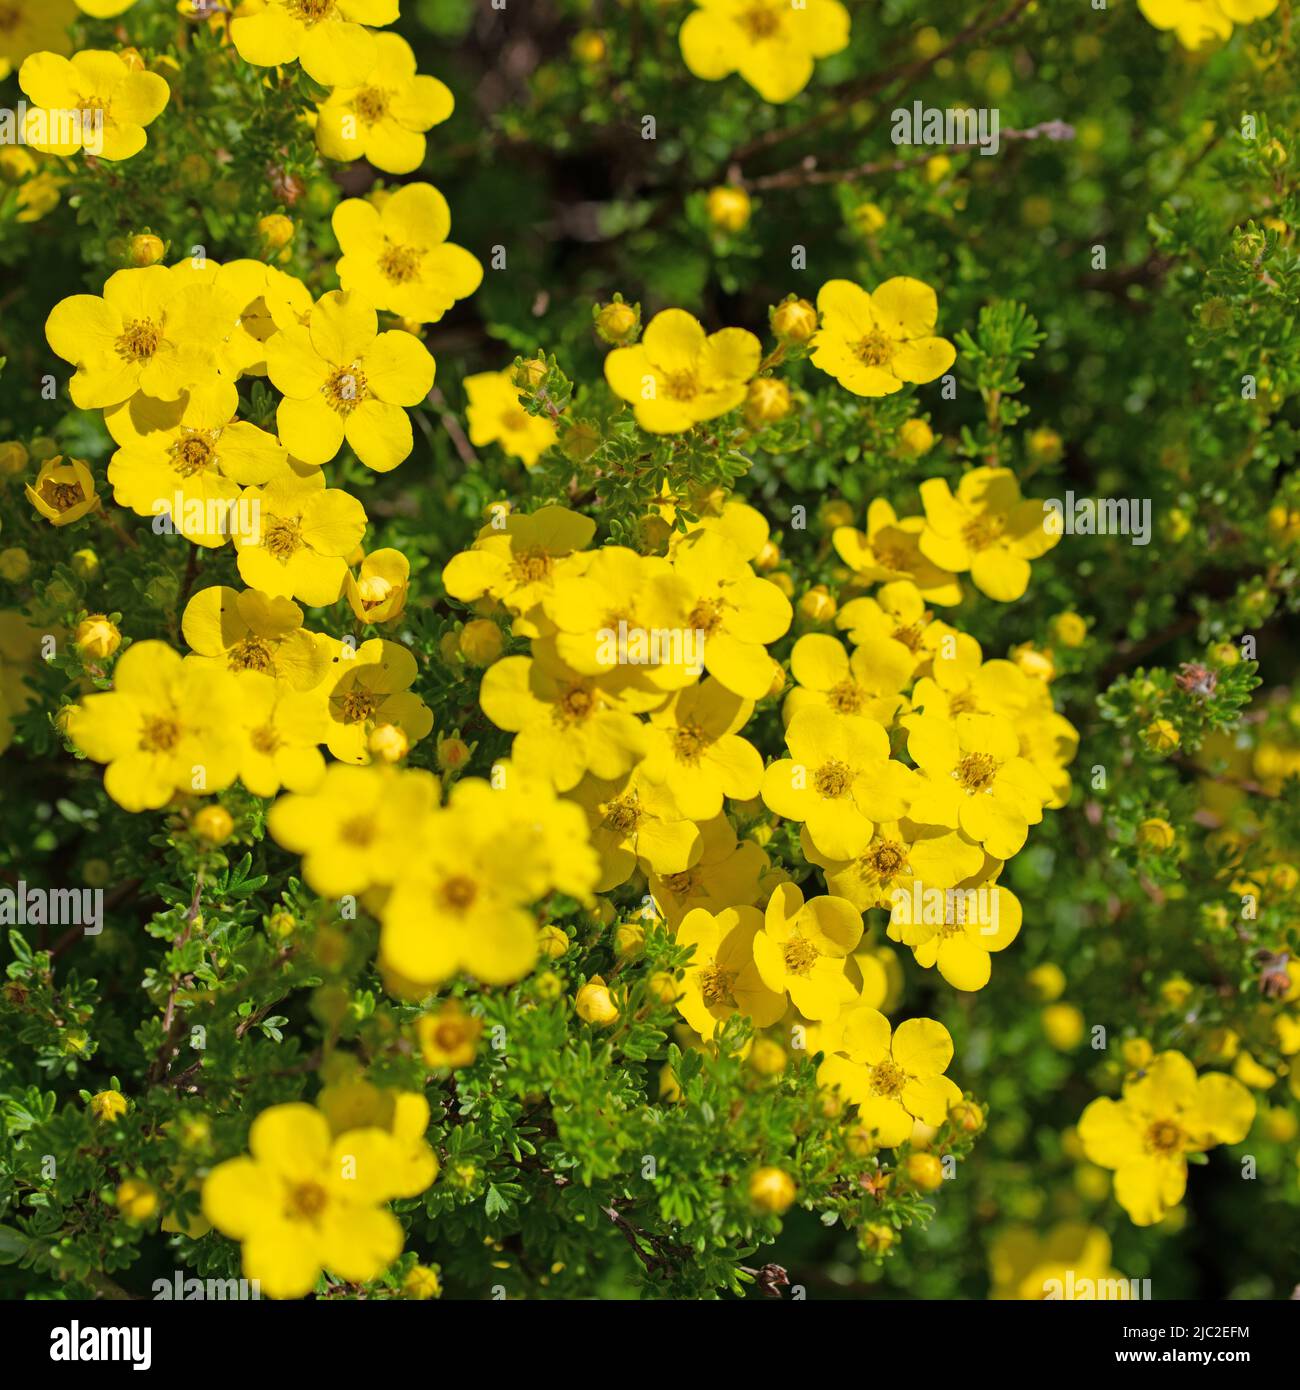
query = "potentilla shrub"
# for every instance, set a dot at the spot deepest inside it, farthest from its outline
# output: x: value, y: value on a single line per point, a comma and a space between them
x: 658, y: 665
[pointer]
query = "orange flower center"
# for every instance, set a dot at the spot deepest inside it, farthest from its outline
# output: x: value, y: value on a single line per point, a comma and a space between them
x: 706, y: 616
x: 265, y: 739
x: 887, y: 1079
x: 458, y: 893
x: 681, y: 386
x: 159, y: 735
x: 251, y: 654
x: 759, y: 23
x: 310, y: 11
x: 359, y: 831
x: 358, y: 704
x: 62, y: 496
x: 717, y: 986
x: 192, y: 453
x: 846, y: 697
x: 531, y: 565
x: 401, y: 263
x: 876, y: 349
x: 306, y: 1201
x: 345, y: 388
x: 283, y: 537
x: 800, y: 955
x: 577, y: 703
x: 833, y: 779
x: 976, y: 771
x: 1165, y: 1137
x: 982, y: 532
x: 622, y: 814
x: 690, y: 743
x: 887, y: 859
x: 139, y: 340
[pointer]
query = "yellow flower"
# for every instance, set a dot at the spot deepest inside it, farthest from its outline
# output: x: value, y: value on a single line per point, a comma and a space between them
x: 357, y: 828
x: 770, y: 43
x: 136, y: 1200
x: 975, y: 778
x: 565, y: 724
x: 282, y: 728
x: 342, y: 379
x: 866, y: 685
x: 1030, y: 1265
x: 873, y: 343
x: 1161, y: 736
x: 957, y: 934
x: 497, y: 416
x: 636, y: 820
x: 108, y: 1105
x: 721, y: 978
x: 677, y: 377
x: 327, y: 39
x: 63, y: 492
x: 1200, y: 22
x: 186, y: 459
x: 987, y: 528
x: 378, y: 592
x: 113, y: 104
x: 151, y: 331
x: 890, y: 550
x: 19, y: 643
x: 247, y: 630
x: 516, y: 559
x: 772, y: 1190
x: 839, y: 780
x: 381, y: 110
x: 104, y: 9
x: 398, y: 257
x: 214, y: 824
x: 449, y: 1037
x: 296, y: 545
x: 695, y: 750
x: 32, y: 27
x: 802, y: 947
x: 727, y: 874
x: 369, y: 687
x: 894, y: 1080
x: 351, y: 1103
x: 1063, y: 1026
x: 461, y: 903
x: 897, y: 616
x: 1163, y: 1115
x: 898, y: 854
x: 302, y: 1202
x: 421, y: 1282
x: 165, y: 726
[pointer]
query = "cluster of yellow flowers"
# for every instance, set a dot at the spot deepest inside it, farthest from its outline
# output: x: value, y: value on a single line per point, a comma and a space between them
x: 1201, y: 22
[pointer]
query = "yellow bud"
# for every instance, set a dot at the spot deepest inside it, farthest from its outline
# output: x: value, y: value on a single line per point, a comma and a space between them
x: 136, y: 1200
x: 1069, y: 629
x: 835, y: 513
x: 589, y: 47
x: 480, y: 642
x: 767, y: 1057
x: 421, y: 1283
x: 281, y: 924
x: 145, y: 249
x: 552, y: 942
x: 794, y: 321
x: 937, y: 168
x: 275, y: 230
x: 915, y: 438
x: 1063, y: 1024
x: 97, y: 637
x: 1176, y: 991
x: 13, y: 457
x: 966, y: 1116
x: 1224, y: 654
x: 529, y: 374
x: 595, y: 1004
x: 927, y: 42
x: 816, y: 606
x: 869, y: 218
x: 629, y: 939
x: 878, y: 1238
x: 663, y: 986
x: 783, y: 582
x: 449, y: 647
x: 452, y: 753
x: 767, y: 401
x: 108, y: 1105
x: 772, y: 1190
x: 1156, y: 834
x: 769, y: 557
x: 1280, y: 1125
x: 1047, y: 981
x: 1137, y: 1053
x: 778, y: 681
x: 214, y: 824
x: 15, y: 564
x: 729, y: 208
x: 616, y: 322
x: 1033, y: 662
x: 389, y: 743
x: 85, y: 563
x: 925, y: 1172
x: 1044, y: 445
x: 1160, y: 736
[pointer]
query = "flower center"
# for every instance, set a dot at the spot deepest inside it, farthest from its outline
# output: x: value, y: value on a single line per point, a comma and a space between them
x: 1165, y: 1137
x: 982, y: 532
x: 833, y: 779
x: 401, y: 263
x: 876, y: 349
x: 622, y: 814
x: 265, y: 739
x: 690, y: 743
x: 192, y: 453
x: 800, y: 955
x: 706, y: 616
x: 310, y: 11
x: 345, y: 388
x: 359, y: 831
x: 976, y: 771
x: 358, y: 704
x: 681, y: 386
x: 577, y: 703
x: 887, y: 1079
x: 62, y: 496
x: 910, y: 635
x: 893, y: 557
x: 284, y: 537
x: 887, y: 859
x: 306, y: 1201
x: 846, y: 697
x: 371, y: 104
x: 458, y: 893
x: 251, y: 654
x: 514, y: 420
x: 531, y: 566
x: 139, y: 340
x: 159, y: 735
x: 680, y: 883
x: 717, y: 986
x: 759, y: 23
